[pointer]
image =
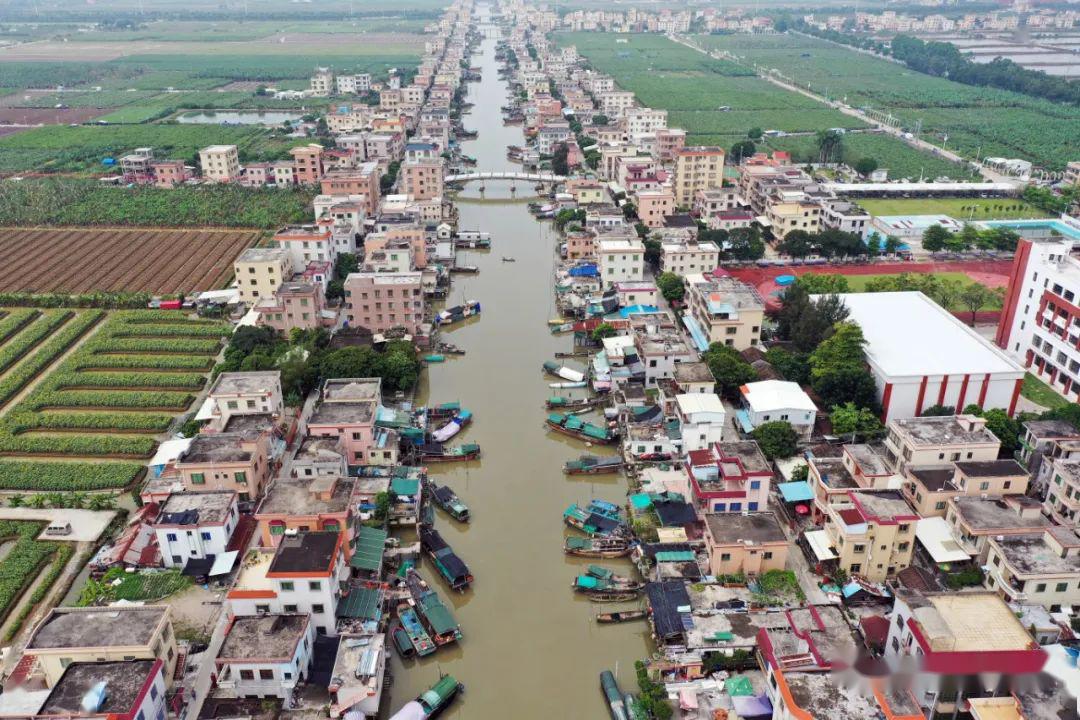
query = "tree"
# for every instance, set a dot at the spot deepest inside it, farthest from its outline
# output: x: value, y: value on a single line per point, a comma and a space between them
x: 892, y: 244
x: 830, y: 144
x: 935, y: 238
x: 838, y: 371
x: 865, y: 166
x: 851, y: 419
x: 559, y: 164
x: 873, y: 244
x: 777, y: 439
x: 603, y: 330
x: 974, y: 297
x: 821, y: 284
x: 807, y: 322
x: 349, y: 362
x: 754, y: 133
x: 938, y: 411
x: 794, y: 367
x: 600, y: 119
x: 729, y: 368
x: 948, y: 292
x: 743, y: 244
x: 1005, y: 428
x: 671, y: 286
x: 742, y: 149
x: 345, y: 264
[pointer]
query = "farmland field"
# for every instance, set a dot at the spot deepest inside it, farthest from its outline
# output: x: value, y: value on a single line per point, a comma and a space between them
x: 693, y: 86
x: 959, y: 208
x: 129, y: 259
x: 108, y: 397
x: 979, y: 120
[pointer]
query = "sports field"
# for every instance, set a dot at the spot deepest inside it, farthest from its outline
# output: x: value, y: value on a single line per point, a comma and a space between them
x: 958, y: 208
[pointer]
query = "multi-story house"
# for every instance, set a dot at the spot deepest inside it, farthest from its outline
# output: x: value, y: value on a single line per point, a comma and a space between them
x: 929, y: 488
x: 697, y: 168
x: 234, y: 461
x: 845, y: 217
x: 306, y: 503
x: 135, y: 689
x: 796, y: 215
x: 935, y: 440
x: 620, y: 260
x: 169, y: 173
x: 381, y: 301
x: 974, y: 520
x: 723, y: 310
x: 322, y: 82
x: 873, y: 533
x: 307, y: 163
x: 653, y: 206
x: 689, y: 258
x: 358, y: 185
x: 730, y: 477
x: 265, y: 656
x: 296, y: 305
x: 220, y: 163
x: 346, y: 411
x: 306, y: 244
x: 669, y: 141
x: 1063, y: 492
x: 747, y: 544
x: 1039, y: 568
x: 422, y: 179
x: 701, y: 419
x: 639, y: 120
x: 94, y: 634
x: 968, y: 645
x: 768, y: 401
x: 195, y: 526
x: 259, y: 272
x: 245, y: 393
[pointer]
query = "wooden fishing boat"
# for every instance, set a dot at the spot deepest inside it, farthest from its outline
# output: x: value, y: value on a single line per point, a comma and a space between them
x: 431, y: 702
x: 452, y: 426
x: 452, y: 568
x: 508, y: 259
x: 597, y: 547
x: 592, y: 465
x: 443, y: 411
x: 434, y: 358
x: 448, y: 500
x: 458, y: 313
x: 414, y: 629
x: 599, y: 590
x: 401, y: 640
x: 438, y: 453
x: 613, y: 696
x: 436, y: 617
x: 465, y: 269
x: 558, y: 402
x: 608, y: 577
x: 450, y: 349
x: 561, y: 371
x: 620, y: 616
x: 596, y: 518
x: 575, y: 427
x: 567, y: 385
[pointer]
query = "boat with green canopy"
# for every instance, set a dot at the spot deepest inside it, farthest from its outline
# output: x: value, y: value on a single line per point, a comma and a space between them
x: 577, y: 428
x: 597, y: 547
x: 593, y: 465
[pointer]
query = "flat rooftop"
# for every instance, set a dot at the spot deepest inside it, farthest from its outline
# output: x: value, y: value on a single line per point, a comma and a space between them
x: 249, y: 427
x: 334, y: 413
x: 946, y: 430
x: 762, y: 527
x: 748, y: 453
x: 833, y: 473
x: 991, y: 468
x: 100, y: 627
x: 216, y: 448
x: 895, y: 322
x: 698, y: 372
x: 124, y: 679
x: 307, y: 496
x: 245, y: 383
x: 309, y: 552
x: 870, y: 458
x: 886, y: 505
x: 1030, y: 555
x: 934, y: 478
x: 351, y: 389
x: 319, y: 449
x: 994, y: 514
x: 966, y: 622
x: 263, y: 637
x: 263, y: 254
x: 196, y: 508
x: 823, y: 695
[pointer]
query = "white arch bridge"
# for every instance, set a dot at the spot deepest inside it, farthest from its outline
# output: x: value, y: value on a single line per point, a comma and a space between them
x: 527, y: 177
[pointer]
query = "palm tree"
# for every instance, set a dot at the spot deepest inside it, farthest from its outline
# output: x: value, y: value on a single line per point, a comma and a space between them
x: 830, y: 146
x: 99, y: 501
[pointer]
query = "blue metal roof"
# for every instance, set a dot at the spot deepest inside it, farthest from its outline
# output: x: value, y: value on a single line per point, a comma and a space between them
x: 796, y: 491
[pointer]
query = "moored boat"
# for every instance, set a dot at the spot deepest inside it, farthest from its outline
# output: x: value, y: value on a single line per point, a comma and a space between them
x: 620, y: 616
x: 558, y: 402
x: 414, y: 629
x: 608, y: 576
x: 600, y: 590
x: 592, y: 465
x: 554, y: 368
x: 576, y: 427
x: 567, y: 385
x: 613, y: 696
x: 452, y: 427
x: 596, y: 518
x: 438, y: 453
x: 448, y: 500
x: 450, y: 349
x: 597, y: 547
x: 458, y: 313
x: 436, y: 617
x: 465, y: 269
x: 401, y: 640
x: 443, y: 411
x: 432, y: 701
x: 452, y: 568
x: 434, y: 358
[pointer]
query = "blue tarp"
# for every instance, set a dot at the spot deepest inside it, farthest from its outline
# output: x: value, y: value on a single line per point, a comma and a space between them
x: 796, y: 491
x: 700, y: 341
x: 586, y: 270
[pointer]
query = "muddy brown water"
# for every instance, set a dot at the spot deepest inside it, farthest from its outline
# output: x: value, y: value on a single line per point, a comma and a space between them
x: 531, y: 648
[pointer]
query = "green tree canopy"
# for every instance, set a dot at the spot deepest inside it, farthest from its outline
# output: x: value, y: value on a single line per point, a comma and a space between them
x: 671, y: 286
x: 729, y: 368
x: 777, y: 439
x: 849, y: 418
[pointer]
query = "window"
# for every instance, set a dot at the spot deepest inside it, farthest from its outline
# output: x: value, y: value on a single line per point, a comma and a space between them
x: 1040, y: 587
x: 251, y: 404
x: 767, y: 556
x: 984, y: 486
x: 752, y: 506
x: 755, y: 484
x: 240, y: 477
x: 736, y: 506
x: 290, y: 608
x: 724, y: 557
x: 315, y: 585
x: 939, y: 506
x: 205, y: 535
x: 1061, y: 587
x: 286, y: 586
x: 262, y: 608
x: 232, y: 403
x: 856, y: 568
x: 171, y: 537
x: 198, y: 479
x: 265, y: 674
x: 318, y: 609
x: 247, y: 674
x: 286, y: 675
x: 859, y: 549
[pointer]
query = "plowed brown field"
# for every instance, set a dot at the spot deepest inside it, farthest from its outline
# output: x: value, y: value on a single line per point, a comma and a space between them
x: 130, y: 259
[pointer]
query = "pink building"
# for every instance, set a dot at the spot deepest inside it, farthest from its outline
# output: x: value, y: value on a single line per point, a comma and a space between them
x: 380, y: 301
x: 654, y: 205
x: 257, y: 175
x: 422, y: 179
x: 169, y: 173
x: 730, y: 477
x: 295, y: 305
x: 307, y: 164
x: 346, y: 410
x: 362, y: 182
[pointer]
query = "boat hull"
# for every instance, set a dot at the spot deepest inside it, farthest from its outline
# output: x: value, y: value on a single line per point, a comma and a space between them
x: 581, y: 436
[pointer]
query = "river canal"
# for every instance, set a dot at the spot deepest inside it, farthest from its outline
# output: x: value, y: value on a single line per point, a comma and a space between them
x: 531, y: 648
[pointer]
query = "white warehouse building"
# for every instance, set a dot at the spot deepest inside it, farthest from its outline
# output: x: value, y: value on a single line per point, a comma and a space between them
x: 921, y: 356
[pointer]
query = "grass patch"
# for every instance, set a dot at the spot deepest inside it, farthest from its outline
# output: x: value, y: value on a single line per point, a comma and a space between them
x: 858, y: 283
x: 1039, y: 392
x: 958, y: 208
x: 135, y: 586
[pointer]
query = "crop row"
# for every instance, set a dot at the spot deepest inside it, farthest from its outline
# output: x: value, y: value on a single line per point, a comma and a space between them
x: 15, y: 320
x: 180, y: 381
x: 22, y: 563
x: 110, y: 398
x: 73, y: 444
x: 174, y: 330
x: 142, y: 362
x: 194, y: 346
x: 51, y: 349
x: 64, y: 551
x: 26, y: 421
x: 22, y: 343
x: 45, y: 476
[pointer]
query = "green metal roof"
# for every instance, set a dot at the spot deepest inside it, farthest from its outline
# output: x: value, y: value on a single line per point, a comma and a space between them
x: 363, y: 603
x: 368, y: 548
x: 437, y: 614
x: 404, y: 486
x: 675, y: 556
